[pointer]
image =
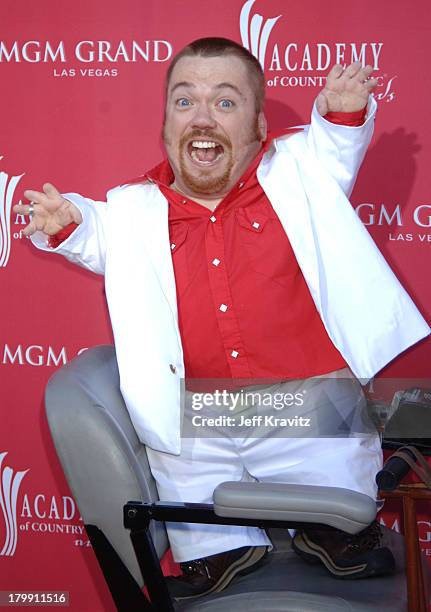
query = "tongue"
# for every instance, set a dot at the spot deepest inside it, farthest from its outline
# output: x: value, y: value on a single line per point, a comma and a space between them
x: 205, y: 155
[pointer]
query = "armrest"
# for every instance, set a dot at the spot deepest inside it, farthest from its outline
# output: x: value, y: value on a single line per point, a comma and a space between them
x: 337, y: 507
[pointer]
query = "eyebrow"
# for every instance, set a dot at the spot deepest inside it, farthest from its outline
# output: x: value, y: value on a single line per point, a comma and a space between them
x: 230, y: 86
x: 181, y: 84
x: 223, y: 85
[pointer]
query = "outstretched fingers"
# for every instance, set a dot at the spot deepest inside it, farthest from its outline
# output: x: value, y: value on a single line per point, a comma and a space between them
x: 352, y: 70
x: 48, y: 211
x: 334, y: 74
x: 365, y: 73
x: 51, y: 191
x: 354, y: 73
x: 31, y: 228
x: 50, y: 199
x: 25, y: 209
x: 36, y: 197
x: 347, y: 89
x: 363, y: 83
x: 365, y: 79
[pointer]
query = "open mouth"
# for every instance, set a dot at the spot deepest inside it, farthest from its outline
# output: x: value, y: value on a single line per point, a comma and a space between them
x: 205, y: 152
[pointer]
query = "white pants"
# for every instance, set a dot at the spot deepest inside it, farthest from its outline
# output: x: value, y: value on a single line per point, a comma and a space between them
x: 267, y: 456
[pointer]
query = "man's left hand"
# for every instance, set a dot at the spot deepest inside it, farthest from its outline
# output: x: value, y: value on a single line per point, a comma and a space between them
x: 347, y: 90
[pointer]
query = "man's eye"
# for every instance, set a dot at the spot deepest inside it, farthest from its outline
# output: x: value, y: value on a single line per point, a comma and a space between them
x: 226, y: 103
x: 183, y: 102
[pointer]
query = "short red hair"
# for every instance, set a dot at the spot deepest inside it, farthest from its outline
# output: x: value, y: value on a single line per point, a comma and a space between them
x: 216, y: 47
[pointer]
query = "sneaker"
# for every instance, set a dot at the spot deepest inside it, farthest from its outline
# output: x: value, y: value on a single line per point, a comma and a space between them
x: 213, y: 574
x: 344, y: 555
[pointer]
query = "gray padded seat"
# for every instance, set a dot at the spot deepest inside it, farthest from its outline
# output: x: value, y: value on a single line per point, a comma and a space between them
x: 104, y: 462
x: 106, y: 466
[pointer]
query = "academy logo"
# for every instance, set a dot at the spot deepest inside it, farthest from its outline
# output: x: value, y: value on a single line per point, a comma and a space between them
x: 38, y: 514
x: 10, y: 483
x: 7, y: 191
x: 300, y: 63
x: 255, y: 31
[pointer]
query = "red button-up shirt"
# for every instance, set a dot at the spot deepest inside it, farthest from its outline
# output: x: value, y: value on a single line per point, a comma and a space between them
x: 244, y: 308
x: 245, y: 311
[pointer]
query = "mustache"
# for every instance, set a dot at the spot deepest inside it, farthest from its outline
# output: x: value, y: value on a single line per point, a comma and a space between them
x: 208, y: 134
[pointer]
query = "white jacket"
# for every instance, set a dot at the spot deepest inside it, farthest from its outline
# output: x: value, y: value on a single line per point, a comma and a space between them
x: 367, y: 314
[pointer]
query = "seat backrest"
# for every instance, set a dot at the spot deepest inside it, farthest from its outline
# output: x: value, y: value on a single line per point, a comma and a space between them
x: 103, y: 460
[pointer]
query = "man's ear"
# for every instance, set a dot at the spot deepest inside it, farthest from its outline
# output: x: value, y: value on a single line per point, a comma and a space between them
x: 262, y: 125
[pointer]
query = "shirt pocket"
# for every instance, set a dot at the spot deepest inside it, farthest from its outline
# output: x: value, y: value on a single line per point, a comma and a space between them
x: 266, y: 245
x: 178, y: 244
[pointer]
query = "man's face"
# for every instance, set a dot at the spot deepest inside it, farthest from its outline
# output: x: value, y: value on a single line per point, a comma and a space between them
x: 212, y: 130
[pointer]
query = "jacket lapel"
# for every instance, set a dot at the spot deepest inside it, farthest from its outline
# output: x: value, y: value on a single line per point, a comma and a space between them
x: 288, y: 198
x: 155, y: 220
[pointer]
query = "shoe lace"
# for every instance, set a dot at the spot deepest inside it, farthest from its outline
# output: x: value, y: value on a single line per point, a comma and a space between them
x: 196, y: 566
x: 367, y: 539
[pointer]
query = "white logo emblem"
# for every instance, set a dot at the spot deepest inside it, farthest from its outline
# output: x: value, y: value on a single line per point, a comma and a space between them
x: 255, y: 33
x: 7, y: 190
x: 9, y: 487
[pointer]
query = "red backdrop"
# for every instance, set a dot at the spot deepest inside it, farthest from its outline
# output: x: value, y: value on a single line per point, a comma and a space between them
x: 81, y: 106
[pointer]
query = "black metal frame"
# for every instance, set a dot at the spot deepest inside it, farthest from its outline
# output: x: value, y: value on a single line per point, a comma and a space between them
x: 137, y: 518
x: 124, y: 589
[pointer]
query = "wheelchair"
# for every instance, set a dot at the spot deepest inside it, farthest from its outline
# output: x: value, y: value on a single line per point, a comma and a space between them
x: 108, y: 473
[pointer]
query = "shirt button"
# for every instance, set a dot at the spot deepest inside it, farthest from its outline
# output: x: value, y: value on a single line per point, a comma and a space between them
x: 234, y: 354
x: 173, y: 368
x: 215, y: 261
x: 172, y: 246
x: 213, y: 219
x: 241, y: 185
x: 184, y: 202
x: 223, y: 307
x: 256, y: 225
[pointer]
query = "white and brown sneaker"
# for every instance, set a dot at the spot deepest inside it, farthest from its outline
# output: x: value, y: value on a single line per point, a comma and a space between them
x: 213, y: 574
x: 346, y: 556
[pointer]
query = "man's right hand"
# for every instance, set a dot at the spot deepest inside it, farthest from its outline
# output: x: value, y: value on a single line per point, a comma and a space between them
x: 51, y: 212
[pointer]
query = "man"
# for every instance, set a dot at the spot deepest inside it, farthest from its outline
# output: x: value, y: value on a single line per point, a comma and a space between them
x: 243, y: 261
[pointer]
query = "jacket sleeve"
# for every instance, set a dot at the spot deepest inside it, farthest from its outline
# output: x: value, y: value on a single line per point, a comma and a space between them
x: 339, y: 148
x: 86, y: 246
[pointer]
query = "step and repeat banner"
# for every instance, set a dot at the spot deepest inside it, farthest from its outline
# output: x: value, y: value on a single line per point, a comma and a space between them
x: 81, y: 107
